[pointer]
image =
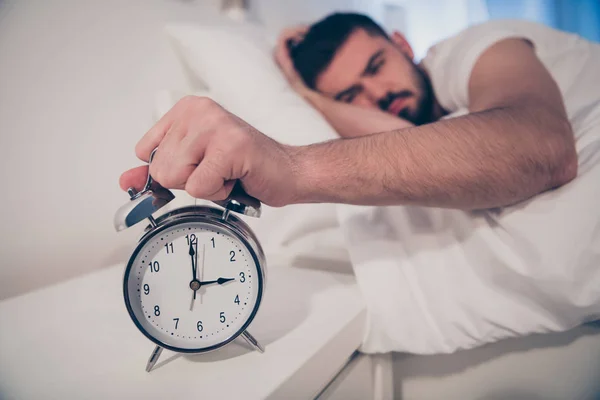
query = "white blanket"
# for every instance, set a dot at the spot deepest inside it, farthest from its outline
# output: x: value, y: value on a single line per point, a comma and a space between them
x: 438, y: 280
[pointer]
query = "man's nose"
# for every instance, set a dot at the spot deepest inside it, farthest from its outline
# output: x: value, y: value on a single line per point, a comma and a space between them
x: 374, y: 90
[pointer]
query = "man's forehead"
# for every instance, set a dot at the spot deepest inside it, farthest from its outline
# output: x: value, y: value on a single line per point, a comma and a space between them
x: 349, y: 61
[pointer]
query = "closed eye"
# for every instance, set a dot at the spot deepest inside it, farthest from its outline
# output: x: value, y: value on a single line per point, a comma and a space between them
x: 348, y: 95
x: 348, y: 98
x: 375, y: 62
x: 373, y: 69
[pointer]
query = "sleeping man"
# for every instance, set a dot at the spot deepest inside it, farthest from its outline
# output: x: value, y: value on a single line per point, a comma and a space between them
x: 514, y: 141
x: 499, y: 115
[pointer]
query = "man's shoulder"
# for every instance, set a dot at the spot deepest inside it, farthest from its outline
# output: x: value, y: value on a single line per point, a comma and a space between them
x: 475, y: 38
x: 451, y: 61
x: 499, y: 26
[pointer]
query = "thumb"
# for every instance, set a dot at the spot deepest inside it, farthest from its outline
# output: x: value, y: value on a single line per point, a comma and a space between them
x: 135, y: 178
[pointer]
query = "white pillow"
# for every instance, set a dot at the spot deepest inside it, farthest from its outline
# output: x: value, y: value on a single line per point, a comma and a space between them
x: 237, y: 65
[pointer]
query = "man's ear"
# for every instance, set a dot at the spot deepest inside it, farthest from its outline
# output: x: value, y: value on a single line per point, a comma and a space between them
x: 401, y: 43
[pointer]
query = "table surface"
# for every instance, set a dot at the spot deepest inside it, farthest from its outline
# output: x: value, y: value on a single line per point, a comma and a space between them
x: 76, y: 340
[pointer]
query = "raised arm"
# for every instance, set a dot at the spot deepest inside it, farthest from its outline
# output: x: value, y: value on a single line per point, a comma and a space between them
x: 353, y: 121
x: 516, y: 144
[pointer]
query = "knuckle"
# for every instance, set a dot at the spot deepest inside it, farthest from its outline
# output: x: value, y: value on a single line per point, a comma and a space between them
x: 194, y: 189
x: 206, y: 103
x: 220, y: 195
x: 194, y: 102
x: 189, y: 99
x: 241, y: 141
x: 204, y: 108
x: 217, y: 118
x: 186, y: 102
x: 140, y: 151
x: 277, y: 203
x: 216, y: 163
x: 156, y: 173
x: 163, y: 175
x: 166, y: 180
x: 203, y: 101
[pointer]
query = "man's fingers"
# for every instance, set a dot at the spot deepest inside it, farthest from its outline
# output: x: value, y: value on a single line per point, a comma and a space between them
x: 207, y: 182
x: 289, y: 38
x: 283, y: 59
x: 292, y: 36
x: 135, y: 177
x: 294, y: 40
x: 155, y: 135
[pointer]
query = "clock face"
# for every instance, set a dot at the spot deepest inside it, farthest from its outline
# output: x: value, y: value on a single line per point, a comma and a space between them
x: 193, y: 286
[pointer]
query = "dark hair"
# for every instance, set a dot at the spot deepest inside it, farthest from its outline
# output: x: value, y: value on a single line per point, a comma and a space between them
x: 314, y: 53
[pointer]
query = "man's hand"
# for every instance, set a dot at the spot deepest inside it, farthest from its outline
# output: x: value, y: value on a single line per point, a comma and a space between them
x: 288, y: 38
x: 204, y: 149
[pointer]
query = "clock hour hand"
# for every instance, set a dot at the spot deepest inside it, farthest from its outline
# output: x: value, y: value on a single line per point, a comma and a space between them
x: 220, y: 281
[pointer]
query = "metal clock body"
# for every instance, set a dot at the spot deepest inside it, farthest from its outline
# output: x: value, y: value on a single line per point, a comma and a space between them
x: 230, y: 273
x: 196, y: 278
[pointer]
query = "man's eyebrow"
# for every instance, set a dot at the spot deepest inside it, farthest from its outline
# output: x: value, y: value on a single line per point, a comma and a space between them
x: 355, y: 88
x: 346, y: 92
x: 371, y: 61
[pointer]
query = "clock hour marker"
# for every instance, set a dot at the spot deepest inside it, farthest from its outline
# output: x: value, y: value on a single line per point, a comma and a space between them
x: 220, y: 285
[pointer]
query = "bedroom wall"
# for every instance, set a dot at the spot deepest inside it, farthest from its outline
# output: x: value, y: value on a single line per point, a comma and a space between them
x: 278, y: 14
x: 77, y: 82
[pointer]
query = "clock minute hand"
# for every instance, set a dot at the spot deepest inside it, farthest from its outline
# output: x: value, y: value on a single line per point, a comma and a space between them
x: 192, y: 253
x: 194, y: 284
x: 196, y: 261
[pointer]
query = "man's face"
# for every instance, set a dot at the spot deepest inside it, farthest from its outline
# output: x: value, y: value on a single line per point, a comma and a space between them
x: 372, y: 71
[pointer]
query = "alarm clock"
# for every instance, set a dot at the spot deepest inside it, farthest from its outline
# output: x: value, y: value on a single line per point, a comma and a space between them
x: 196, y: 278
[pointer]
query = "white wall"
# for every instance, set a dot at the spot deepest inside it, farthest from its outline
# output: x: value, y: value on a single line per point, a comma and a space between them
x: 278, y: 14
x: 426, y: 22
x: 77, y: 84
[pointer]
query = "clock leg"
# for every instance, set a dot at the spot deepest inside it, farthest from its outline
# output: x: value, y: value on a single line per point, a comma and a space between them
x: 252, y: 342
x: 153, y: 358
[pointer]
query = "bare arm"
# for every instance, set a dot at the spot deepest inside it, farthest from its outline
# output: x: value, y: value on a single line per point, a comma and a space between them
x: 516, y: 144
x: 352, y: 121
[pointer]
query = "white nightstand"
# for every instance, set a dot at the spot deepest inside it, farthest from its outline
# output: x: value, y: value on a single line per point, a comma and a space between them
x: 75, y: 340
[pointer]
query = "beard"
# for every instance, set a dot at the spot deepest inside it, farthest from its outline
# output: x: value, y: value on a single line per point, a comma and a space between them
x: 423, y: 112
